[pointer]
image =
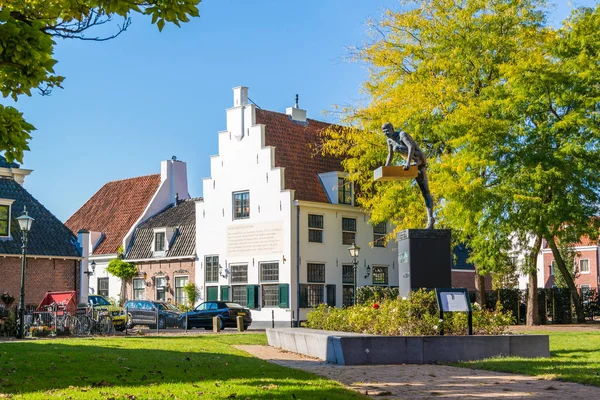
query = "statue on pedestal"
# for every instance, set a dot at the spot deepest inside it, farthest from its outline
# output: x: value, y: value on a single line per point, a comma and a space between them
x: 401, y: 142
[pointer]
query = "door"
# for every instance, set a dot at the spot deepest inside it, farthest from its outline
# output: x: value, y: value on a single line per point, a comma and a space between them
x: 212, y: 293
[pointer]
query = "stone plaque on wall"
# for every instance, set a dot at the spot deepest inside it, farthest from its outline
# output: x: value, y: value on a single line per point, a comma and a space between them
x: 255, y: 239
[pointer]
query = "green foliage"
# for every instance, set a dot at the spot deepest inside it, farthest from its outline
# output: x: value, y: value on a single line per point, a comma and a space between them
x: 415, y: 316
x: 192, y: 293
x: 121, y: 269
x: 370, y: 294
x: 27, y: 38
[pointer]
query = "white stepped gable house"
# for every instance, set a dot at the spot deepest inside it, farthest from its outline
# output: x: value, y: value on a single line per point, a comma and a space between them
x: 276, y: 220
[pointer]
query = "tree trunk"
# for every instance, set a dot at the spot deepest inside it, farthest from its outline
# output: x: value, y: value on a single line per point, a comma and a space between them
x: 123, y: 291
x: 533, y: 311
x: 480, y: 289
x: 560, y: 263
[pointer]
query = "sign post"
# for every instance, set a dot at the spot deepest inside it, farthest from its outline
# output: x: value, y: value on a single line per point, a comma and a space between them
x: 454, y: 300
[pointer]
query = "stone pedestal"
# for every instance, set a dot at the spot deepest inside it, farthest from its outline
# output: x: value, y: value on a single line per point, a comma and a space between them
x: 424, y: 259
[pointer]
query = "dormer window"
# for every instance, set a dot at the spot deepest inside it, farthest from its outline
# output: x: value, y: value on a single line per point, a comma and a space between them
x: 159, y: 241
x: 344, y: 191
x: 5, y: 206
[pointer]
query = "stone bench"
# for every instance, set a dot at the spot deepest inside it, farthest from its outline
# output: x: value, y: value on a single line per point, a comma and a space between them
x: 361, y: 349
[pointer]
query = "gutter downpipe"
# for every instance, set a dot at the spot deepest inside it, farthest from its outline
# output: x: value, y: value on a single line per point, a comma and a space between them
x: 297, y: 204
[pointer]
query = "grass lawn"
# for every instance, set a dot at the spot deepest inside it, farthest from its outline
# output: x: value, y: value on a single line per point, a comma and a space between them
x: 205, y: 366
x: 575, y: 357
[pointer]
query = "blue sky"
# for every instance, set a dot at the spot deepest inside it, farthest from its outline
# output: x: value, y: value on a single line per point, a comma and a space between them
x: 131, y: 102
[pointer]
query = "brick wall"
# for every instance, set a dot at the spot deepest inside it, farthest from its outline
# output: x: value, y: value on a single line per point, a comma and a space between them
x: 41, y: 275
x: 466, y: 279
x: 170, y: 269
x: 580, y: 278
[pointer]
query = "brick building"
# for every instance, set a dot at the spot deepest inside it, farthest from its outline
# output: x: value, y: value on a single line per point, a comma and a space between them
x: 164, y: 250
x: 53, y: 255
x: 587, y: 274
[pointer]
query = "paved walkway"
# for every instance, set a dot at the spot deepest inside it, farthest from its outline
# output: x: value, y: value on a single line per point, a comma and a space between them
x: 428, y: 381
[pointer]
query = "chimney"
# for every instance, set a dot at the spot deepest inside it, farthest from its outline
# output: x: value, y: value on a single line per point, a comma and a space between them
x: 296, y: 114
x: 240, y: 96
x: 175, y: 172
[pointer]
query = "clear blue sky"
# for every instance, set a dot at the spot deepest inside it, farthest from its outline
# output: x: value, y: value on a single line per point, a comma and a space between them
x: 131, y: 102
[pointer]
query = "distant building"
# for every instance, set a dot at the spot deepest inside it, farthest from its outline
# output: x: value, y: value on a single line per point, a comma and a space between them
x: 112, y: 214
x: 53, y: 255
x: 587, y: 274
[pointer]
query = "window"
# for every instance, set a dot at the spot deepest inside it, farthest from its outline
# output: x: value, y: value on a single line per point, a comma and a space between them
x: 239, y: 274
x: 315, y: 228
x: 103, y: 287
x: 348, y: 274
x: 552, y: 267
x: 311, y: 295
x: 315, y: 272
x: 180, y: 296
x: 380, y: 275
x: 270, y: 295
x: 161, y: 283
x: 348, y: 295
x: 139, y: 289
x: 348, y: 230
x: 159, y: 241
x: 241, y: 205
x: 212, y: 268
x: 239, y: 295
x: 344, y: 191
x: 379, y: 232
x: 269, y: 272
x: 584, y: 266
x: 4, y: 220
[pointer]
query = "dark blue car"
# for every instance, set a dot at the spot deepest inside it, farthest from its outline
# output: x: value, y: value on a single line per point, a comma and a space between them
x: 202, y: 316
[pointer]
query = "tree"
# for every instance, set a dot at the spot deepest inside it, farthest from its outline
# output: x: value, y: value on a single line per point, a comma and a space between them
x: 124, y: 271
x: 192, y: 293
x: 28, y: 30
x: 478, y: 83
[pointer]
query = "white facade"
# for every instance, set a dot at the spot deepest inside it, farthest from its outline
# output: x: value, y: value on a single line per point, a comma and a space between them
x: 232, y: 250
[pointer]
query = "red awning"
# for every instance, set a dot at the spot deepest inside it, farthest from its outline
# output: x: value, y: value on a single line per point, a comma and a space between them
x: 63, y: 301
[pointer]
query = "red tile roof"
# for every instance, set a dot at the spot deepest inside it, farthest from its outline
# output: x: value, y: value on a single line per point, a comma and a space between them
x: 114, y: 209
x: 293, y: 150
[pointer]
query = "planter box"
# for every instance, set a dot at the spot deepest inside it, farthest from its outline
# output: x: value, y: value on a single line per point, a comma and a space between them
x: 360, y: 349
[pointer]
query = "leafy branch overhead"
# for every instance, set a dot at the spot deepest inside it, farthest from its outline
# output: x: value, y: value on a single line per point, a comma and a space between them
x: 27, y: 38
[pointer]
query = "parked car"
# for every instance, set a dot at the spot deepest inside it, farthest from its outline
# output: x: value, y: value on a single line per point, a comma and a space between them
x: 143, y: 312
x: 100, y: 303
x: 202, y: 315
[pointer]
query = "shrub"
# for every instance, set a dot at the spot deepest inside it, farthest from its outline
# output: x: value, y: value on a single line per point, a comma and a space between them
x: 416, y: 316
x: 366, y: 294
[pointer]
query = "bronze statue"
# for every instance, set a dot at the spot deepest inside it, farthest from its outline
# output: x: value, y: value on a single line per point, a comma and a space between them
x: 401, y: 142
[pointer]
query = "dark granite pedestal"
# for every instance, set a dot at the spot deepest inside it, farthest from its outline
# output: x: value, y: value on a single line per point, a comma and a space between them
x: 424, y: 259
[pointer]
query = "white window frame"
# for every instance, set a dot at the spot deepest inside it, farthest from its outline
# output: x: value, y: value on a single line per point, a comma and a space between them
x: 355, y: 231
x: 589, y: 270
x: 187, y: 277
x: 321, y: 229
x: 552, y: 265
x: 240, y: 192
x: 387, y: 275
x: 7, y: 202
x: 345, y: 183
x: 158, y: 287
x: 133, y: 289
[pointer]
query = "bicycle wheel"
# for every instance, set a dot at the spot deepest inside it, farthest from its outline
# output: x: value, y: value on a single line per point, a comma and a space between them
x: 105, y: 325
x: 85, y: 325
x: 74, y: 326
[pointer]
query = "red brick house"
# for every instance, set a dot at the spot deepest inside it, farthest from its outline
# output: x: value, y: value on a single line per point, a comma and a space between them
x: 164, y: 250
x: 53, y: 254
x: 586, y: 264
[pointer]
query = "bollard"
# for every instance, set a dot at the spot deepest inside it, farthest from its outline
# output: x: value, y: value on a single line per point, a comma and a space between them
x: 156, y: 319
x: 292, y: 321
x: 272, y: 318
x: 127, y: 320
x: 216, y: 324
x: 186, y: 321
x: 240, y: 323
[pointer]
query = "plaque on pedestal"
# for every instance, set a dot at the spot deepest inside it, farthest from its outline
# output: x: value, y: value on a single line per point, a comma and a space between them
x: 424, y: 259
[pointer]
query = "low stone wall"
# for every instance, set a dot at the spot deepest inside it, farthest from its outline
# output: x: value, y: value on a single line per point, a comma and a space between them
x: 359, y: 349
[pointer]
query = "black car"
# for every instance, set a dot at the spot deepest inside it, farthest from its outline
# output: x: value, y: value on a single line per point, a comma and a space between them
x: 202, y: 316
x: 143, y: 312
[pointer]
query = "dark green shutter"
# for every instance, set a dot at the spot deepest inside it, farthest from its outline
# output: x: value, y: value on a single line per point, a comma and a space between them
x: 252, y: 296
x: 330, y: 290
x: 212, y: 293
x: 284, y: 295
x: 303, y: 296
x: 224, y: 293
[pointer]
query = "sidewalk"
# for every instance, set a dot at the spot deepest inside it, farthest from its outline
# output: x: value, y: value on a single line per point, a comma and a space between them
x: 428, y: 381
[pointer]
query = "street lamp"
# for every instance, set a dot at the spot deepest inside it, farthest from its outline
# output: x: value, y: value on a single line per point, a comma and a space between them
x: 354, y: 251
x: 88, y: 272
x: 25, y: 222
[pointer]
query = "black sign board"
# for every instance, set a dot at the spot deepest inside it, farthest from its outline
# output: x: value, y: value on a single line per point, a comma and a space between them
x: 454, y: 300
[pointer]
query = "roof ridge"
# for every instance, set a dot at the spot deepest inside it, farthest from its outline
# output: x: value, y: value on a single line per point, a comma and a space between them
x: 135, y: 177
x: 311, y: 119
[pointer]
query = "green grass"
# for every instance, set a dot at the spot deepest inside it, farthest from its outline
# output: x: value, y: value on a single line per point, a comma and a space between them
x: 575, y: 357
x: 205, y: 366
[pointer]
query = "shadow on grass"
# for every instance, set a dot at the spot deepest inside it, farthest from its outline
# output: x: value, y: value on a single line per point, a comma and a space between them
x: 147, y: 366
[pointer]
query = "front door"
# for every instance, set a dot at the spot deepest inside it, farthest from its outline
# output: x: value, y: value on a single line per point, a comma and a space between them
x: 212, y: 293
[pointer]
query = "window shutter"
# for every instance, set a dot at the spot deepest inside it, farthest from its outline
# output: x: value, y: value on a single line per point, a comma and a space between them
x: 224, y: 293
x: 212, y: 293
x: 303, y: 296
x: 284, y: 295
x: 252, y: 296
x: 330, y: 295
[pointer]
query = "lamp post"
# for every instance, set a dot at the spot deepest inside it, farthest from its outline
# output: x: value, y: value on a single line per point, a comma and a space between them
x: 354, y: 252
x: 88, y: 272
x: 25, y: 222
